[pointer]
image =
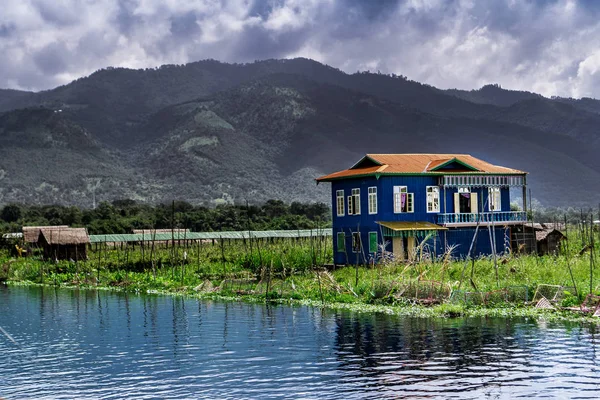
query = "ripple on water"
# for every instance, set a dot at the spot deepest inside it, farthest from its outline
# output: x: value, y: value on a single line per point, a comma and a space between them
x: 90, y: 345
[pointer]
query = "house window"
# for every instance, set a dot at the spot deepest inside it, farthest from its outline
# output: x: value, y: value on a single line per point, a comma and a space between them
x: 354, y: 202
x: 356, y: 243
x: 403, y: 201
x: 494, y: 199
x: 341, y: 242
x: 372, y: 200
x: 339, y: 201
x: 373, y: 242
x: 433, y: 199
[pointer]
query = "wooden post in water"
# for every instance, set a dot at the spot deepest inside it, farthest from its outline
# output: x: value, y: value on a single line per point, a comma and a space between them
x: 153, y: 254
x: 223, y: 256
x: 142, y: 243
x: 356, y: 263
x: 568, y: 256
x: 198, y: 255
x: 591, y: 252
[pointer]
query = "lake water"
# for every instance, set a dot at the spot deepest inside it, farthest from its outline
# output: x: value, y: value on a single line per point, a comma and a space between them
x: 94, y: 344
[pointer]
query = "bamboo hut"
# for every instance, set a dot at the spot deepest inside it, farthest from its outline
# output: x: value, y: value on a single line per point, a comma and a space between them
x: 64, y: 244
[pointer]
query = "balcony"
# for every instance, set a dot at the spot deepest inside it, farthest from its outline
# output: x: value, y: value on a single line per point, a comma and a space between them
x: 486, y: 218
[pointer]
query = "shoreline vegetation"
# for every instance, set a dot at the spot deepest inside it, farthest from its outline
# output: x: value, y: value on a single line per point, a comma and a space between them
x: 444, y: 310
x: 296, y: 271
x: 299, y: 270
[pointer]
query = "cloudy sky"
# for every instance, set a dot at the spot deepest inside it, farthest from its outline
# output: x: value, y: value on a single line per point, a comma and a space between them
x: 547, y: 46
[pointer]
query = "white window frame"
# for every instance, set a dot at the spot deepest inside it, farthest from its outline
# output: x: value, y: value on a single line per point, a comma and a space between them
x: 410, y: 200
x: 340, y: 203
x: 433, y: 193
x: 372, y: 200
x: 494, y: 199
x: 355, y: 202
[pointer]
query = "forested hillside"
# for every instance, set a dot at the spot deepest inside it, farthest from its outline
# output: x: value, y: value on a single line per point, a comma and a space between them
x: 213, y: 133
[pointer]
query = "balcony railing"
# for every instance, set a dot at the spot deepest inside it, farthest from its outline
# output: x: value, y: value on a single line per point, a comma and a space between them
x: 500, y: 217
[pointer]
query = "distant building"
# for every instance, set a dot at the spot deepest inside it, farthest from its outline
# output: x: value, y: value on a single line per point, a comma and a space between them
x: 395, y: 202
x: 64, y: 244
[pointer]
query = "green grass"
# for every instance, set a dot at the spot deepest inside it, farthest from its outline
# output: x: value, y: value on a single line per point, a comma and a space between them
x: 285, y: 271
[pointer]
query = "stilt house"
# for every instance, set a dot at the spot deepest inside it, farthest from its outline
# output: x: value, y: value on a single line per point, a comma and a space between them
x: 410, y: 205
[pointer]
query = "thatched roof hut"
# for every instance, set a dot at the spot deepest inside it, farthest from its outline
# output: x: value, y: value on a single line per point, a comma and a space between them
x: 31, y: 234
x: 548, y: 240
x: 65, y: 243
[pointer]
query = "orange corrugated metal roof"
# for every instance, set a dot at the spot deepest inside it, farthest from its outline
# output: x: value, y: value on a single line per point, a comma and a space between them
x: 389, y: 164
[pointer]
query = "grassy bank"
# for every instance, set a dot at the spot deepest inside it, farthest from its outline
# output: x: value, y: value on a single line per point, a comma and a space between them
x: 283, y: 271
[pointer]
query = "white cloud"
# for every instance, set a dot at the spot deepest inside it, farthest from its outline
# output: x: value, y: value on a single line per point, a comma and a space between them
x: 547, y: 47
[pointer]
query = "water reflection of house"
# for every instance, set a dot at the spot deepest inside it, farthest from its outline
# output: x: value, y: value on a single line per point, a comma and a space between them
x: 64, y: 244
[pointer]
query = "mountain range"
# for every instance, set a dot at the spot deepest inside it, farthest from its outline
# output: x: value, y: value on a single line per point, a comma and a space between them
x: 209, y: 133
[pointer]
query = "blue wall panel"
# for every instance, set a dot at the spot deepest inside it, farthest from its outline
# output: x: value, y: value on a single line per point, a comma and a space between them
x: 458, y: 238
x: 365, y: 223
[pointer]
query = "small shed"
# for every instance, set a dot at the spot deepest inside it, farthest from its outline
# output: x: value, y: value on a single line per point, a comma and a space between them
x: 64, y: 244
x: 548, y: 240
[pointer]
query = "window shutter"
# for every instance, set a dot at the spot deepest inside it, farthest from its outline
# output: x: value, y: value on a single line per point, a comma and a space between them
x: 350, y: 207
x: 341, y: 242
x: 372, y: 242
x: 456, y: 203
x: 474, y: 203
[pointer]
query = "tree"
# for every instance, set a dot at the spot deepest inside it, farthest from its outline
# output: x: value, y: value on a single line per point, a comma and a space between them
x: 11, y: 213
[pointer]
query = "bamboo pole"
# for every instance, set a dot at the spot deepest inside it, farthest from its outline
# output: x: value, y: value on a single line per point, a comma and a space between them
x: 568, y: 256
x: 591, y: 253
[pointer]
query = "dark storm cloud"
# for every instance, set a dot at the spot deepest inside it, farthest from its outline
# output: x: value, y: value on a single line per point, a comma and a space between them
x: 6, y: 30
x: 56, y: 12
x: 370, y: 10
x: 185, y: 25
x: 258, y: 43
x: 125, y: 18
x: 52, y: 58
x: 539, y: 45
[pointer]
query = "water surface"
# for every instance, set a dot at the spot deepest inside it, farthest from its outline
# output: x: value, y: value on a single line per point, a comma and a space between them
x: 96, y: 344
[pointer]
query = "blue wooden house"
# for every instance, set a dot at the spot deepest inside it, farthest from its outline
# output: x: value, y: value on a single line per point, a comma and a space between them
x: 419, y: 205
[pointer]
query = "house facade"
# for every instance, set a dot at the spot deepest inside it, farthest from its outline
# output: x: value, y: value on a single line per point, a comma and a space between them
x: 416, y: 205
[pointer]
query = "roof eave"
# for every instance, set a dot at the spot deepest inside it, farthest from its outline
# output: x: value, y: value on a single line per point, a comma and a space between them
x: 326, y: 178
